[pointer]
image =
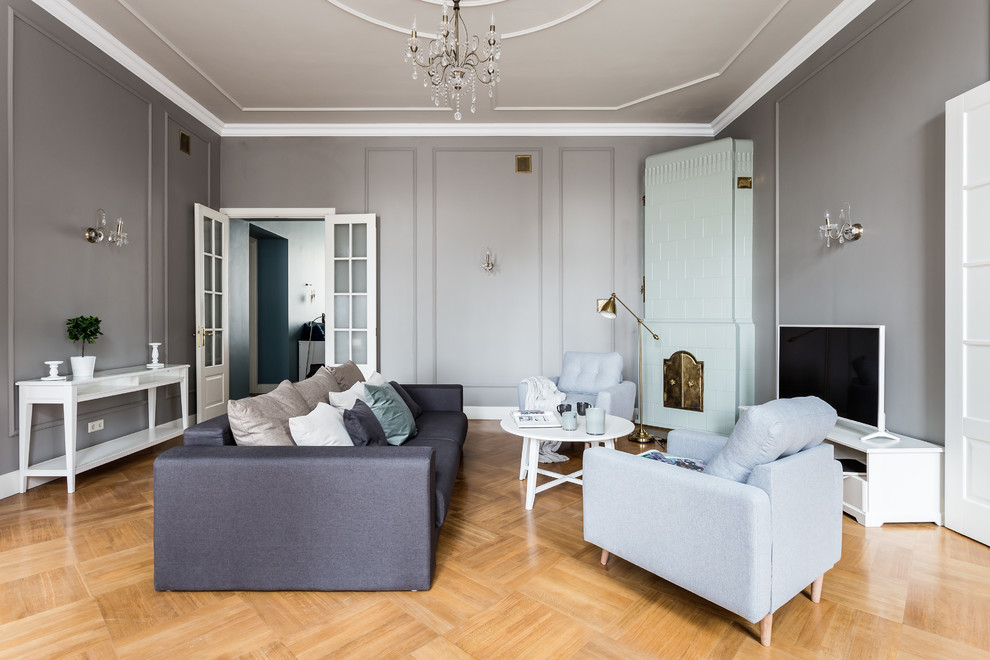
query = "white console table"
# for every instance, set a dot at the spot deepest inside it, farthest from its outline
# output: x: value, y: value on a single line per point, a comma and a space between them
x: 68, y: 393
x: 903, y: 481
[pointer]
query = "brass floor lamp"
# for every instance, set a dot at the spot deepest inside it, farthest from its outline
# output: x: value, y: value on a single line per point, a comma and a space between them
x: 607, y: 309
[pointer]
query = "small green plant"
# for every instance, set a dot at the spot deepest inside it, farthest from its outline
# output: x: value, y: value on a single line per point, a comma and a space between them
x: 83, y: 329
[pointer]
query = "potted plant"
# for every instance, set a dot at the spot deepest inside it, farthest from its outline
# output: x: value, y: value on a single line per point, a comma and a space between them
x: 85, y: 330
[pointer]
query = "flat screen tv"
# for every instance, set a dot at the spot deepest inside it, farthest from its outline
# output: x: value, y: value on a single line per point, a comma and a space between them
x: 840, y: 364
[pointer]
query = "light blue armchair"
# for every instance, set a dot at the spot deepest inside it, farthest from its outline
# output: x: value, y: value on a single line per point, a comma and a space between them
x: 762, y: 522
x: 595, y: 378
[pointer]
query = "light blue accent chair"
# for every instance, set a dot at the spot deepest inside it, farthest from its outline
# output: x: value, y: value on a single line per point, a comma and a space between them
x: 760, y: 524
x: 595, y: 378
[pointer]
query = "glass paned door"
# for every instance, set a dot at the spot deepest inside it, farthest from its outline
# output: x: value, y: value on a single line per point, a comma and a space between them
x: 212, y: 268
x: 353, y: 283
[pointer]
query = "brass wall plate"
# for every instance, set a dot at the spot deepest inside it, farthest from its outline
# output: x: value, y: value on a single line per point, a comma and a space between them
x: 524, y: 164
x: 744, y: 182
x: 185, y: 142
x: 684, y: 382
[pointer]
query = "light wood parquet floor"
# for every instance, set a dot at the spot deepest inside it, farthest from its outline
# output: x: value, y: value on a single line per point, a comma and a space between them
x: 76, y: 581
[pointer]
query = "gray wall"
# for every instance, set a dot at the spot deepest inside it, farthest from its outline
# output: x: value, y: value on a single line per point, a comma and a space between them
x: 86, y: 134
x: 863, y: 122
x: 562, y: 236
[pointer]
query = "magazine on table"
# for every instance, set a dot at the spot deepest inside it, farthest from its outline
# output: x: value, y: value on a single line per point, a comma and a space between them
x: 531, y: 419
x: 679, y: 461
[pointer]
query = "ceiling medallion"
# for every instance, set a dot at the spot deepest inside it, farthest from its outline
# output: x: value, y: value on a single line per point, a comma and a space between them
x: 453, y: 61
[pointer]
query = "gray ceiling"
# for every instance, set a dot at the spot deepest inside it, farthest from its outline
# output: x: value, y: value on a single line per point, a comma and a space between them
x: 684, y: 62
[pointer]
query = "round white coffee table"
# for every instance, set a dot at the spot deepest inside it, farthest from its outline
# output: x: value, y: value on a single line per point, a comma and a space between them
x: 615, y: 427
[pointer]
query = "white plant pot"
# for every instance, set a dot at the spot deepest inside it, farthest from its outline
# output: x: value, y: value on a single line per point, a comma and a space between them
x: 82, y: 367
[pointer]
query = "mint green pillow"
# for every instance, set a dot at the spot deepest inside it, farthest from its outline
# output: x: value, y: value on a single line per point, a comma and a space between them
x: 391, y: 411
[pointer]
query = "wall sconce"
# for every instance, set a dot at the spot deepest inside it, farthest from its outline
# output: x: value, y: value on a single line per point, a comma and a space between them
x: 842, y: 231
x: 489, y: 263
x: 116, y: 236
x: 311, y: 292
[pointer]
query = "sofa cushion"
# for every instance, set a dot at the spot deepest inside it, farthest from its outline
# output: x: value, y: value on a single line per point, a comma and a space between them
x: 264, y: 420
x: 393, y: 414
x: 589, y: 373
x: 769, y: 431
x: 414, y: 407
x: 346, y: 374
x: 324, y: 426
x: 363, y: 427
x: 316, y: 388
x: 448, y: 426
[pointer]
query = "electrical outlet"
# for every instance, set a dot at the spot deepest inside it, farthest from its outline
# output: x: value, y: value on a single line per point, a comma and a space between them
x: 96, y: 426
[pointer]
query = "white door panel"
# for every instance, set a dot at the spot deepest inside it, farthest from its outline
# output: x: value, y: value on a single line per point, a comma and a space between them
x: 967, y: 314
x: 212, y: 312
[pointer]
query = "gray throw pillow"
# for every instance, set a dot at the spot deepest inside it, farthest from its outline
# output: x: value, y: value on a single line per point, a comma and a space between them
x: 767, y: 432
x: 363, y: 427
x: 315, y: 389
x: 346, y: 374
x: 264, y: 420
x: 394, y: 415
x: 414, y: 407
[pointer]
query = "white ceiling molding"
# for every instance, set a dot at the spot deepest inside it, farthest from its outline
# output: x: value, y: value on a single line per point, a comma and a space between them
x: 467, y: 130
x: 68, y: 14
x: 405, y: 30
x: 839, y: 18
x: 96, y: 35
x: 175, y: 49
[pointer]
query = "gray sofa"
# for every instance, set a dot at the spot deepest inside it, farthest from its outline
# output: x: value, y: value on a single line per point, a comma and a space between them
x: 307, y: 518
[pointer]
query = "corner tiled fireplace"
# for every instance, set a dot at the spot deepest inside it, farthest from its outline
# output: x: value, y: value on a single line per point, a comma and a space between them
x: 698, y: 261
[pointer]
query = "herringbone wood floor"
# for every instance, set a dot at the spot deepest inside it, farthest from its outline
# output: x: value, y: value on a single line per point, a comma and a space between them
x: 76, y: 581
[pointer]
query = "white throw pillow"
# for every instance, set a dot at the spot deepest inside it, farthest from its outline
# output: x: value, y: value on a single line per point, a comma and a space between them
x: 376, y: 379
x: 322, y: 427
x: 345, y: 400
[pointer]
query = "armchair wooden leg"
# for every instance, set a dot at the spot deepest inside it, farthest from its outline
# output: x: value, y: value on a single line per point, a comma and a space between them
x: 816, y: 589
x: 604, y: 557
x: 765, y: 625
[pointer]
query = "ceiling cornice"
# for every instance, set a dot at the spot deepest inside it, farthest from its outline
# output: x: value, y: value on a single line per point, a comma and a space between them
x: 68, y: 14
x: 467, y: 130
x: 89, y: 30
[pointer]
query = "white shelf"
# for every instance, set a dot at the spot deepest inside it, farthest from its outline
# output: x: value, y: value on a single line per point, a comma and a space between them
x: 111, y: 450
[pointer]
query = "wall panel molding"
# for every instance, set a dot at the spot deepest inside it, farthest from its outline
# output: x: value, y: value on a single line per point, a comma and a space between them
x: 13, y: 17
x: 536, y: 288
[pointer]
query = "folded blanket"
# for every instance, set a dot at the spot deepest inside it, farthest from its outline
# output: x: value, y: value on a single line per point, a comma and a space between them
x: 542, y: 394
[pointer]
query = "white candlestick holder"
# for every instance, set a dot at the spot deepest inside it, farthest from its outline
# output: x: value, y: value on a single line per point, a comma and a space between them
x: 154, y: 364
x: 53, y: 370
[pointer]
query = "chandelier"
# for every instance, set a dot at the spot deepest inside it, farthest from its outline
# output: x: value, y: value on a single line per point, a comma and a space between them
x: 453, y: 62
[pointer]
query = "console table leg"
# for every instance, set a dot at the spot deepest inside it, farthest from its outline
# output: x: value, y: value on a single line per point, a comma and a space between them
x: 24, y: 447
x: 69, y: 420
x: 152, y: 407
x: 184, y: 396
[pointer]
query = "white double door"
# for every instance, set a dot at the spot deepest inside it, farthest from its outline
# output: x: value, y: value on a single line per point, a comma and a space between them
x: 351, y: 302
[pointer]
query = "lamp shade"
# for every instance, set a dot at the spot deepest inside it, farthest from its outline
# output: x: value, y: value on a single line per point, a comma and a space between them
x: 606, y: 307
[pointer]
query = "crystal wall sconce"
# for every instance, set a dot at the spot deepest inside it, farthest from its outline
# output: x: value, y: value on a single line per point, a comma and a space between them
x: 116, y: 236
x: 842, y: 231
x: 489, y: 263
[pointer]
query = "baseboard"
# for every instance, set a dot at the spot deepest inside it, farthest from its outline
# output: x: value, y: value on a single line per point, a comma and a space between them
x: 9, y: 485
x: 488, y: 412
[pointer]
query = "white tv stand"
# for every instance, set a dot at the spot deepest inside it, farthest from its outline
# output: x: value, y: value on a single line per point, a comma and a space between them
x: 903, y: 480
